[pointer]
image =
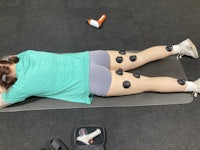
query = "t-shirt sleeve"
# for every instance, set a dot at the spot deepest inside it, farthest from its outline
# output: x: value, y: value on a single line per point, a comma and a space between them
x: 14, y: 95
x: 2, y: 102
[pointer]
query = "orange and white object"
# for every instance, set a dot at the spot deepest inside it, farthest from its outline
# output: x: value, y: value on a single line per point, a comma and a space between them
x: 97, y: 23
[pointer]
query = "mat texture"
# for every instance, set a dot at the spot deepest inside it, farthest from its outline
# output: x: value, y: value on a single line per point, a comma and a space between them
x: 166, y: 67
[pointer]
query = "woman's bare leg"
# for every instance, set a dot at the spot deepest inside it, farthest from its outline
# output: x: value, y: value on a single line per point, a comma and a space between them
x: 127, y: 84
x: 139, y: 59
x: 128, y: 60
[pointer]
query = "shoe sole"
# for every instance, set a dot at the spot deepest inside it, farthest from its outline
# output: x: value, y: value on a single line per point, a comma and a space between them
x: 193, y: 48
x: 197, y: 82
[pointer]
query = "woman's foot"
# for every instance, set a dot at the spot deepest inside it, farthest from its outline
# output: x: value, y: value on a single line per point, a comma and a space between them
x: 197, y: 89
x: 187, y: 48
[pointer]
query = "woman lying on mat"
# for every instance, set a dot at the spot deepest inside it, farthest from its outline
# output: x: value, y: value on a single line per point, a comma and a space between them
x: 76, y: 77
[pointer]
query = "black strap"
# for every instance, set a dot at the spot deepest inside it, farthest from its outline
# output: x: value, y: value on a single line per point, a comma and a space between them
x: 57, y: 144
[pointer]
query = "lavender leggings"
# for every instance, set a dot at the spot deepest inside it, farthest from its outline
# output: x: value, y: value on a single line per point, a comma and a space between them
x: 100, y: 75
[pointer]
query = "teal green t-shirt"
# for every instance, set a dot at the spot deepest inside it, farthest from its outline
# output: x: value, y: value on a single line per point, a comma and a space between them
x: 57, y: 76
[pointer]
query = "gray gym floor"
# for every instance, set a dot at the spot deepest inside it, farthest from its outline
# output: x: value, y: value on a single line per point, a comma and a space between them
x: 59, y: 26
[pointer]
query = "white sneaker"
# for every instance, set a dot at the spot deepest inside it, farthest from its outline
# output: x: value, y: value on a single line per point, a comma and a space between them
x: 188, y: 49
x: 197, y: 90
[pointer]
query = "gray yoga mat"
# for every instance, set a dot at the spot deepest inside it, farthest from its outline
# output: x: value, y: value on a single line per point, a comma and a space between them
x: 166, y: 67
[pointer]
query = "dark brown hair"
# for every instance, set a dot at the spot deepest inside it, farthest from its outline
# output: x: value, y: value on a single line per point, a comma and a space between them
x: 6, y: 81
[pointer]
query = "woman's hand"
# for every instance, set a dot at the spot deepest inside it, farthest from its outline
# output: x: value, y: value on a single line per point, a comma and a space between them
x: 2, y: 102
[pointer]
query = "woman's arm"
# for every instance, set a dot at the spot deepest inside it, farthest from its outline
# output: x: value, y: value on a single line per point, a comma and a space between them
x: 2, y: 102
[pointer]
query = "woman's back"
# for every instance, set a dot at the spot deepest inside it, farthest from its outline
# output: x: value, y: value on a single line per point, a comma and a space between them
x: 43, y: 74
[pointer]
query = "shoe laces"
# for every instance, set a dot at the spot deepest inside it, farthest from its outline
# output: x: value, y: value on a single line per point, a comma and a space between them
x: 179, y: 56
x: 195, y: 94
